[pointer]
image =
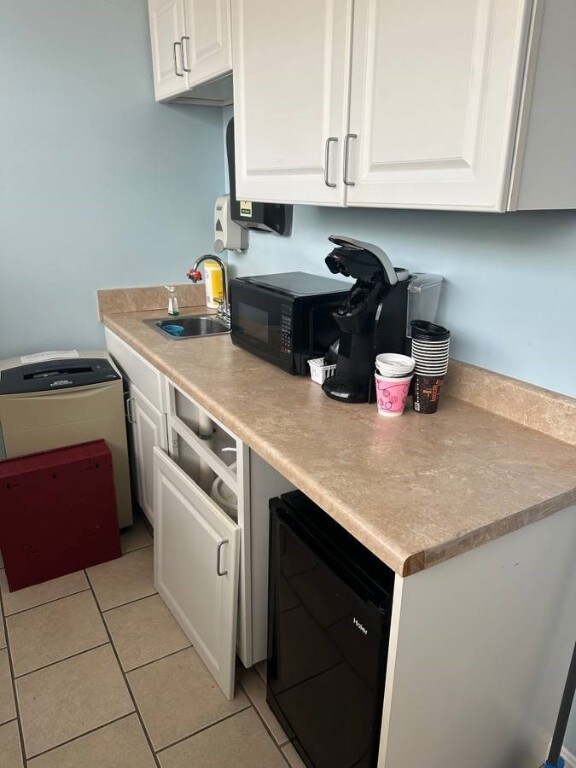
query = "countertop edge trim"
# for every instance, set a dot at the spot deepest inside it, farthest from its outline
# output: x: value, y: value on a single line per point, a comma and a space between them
x: 497, y: 529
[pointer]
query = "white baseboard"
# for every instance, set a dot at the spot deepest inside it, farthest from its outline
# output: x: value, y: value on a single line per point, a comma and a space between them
x: 569, y: 758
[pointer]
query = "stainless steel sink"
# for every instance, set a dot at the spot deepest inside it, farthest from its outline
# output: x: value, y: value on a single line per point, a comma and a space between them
x: 191, y: 327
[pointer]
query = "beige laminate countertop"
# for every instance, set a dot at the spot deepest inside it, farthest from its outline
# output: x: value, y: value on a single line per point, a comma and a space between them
x: 415, y: 490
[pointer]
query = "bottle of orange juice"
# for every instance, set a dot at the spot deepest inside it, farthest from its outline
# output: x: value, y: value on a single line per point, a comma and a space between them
x: 213, y: 281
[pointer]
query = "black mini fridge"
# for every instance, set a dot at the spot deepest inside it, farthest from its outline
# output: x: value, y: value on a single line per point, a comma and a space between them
x: 328, y: 626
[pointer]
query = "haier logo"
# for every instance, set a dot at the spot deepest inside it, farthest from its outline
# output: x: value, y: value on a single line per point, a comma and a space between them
x: 360, y: 627
x: 61, y: 383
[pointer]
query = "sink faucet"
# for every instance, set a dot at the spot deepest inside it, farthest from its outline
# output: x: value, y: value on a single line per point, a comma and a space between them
x: 195, y: 275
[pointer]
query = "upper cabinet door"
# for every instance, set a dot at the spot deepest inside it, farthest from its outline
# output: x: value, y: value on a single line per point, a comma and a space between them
x: 206, y: 46
x: 191, y: 47
x: 166, y: 31
x: 434, y: 102
x: 291, y: 79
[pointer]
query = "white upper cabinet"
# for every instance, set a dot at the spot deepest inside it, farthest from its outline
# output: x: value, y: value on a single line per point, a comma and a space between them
x: 406, y: 104
x: 291, y: 80
x: 191, y: 48
x: 166, y: 30
x: 433, y: 101
x: 206, y: 48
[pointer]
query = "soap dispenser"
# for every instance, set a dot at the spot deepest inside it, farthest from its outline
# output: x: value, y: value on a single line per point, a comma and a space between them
x: 172, y: 301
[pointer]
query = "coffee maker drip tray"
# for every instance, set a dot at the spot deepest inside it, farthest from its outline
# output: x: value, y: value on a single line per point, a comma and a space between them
x: 345, y: 389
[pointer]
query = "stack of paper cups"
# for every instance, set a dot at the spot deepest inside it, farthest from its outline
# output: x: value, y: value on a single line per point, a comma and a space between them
x: 431, y: 353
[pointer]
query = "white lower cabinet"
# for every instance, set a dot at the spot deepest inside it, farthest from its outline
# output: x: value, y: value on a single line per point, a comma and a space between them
x: 211, y: 554
x: 148, y: 431
x: 146, y: 413
x: 211, y: 561
x: 196, y: 566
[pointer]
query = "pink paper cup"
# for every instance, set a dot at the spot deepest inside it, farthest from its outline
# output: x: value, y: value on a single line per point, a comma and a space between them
x: 391, y: 394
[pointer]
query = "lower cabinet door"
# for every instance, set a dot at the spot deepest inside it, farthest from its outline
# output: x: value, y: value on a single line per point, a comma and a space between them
x: 196, y: 564
x: 148, y: 430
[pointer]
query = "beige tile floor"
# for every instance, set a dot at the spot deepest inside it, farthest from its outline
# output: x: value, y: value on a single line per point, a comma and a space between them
x: 95, y: 673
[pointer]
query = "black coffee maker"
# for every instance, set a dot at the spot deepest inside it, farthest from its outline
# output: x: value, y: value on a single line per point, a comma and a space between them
x: 371, y: 319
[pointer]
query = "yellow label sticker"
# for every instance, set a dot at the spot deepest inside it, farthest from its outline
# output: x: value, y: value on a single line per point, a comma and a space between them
x: 245, y: 208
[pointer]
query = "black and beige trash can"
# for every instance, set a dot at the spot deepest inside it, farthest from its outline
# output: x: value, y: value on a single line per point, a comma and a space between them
x: 56, y: 403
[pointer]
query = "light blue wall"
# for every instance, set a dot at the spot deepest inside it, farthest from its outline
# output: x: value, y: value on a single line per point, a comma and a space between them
x: 99, y: 186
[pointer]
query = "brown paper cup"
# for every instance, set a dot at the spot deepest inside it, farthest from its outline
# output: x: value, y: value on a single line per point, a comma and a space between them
x: 426, y: 393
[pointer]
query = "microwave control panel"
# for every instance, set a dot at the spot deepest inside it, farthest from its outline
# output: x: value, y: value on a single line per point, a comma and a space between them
x: 286, y: 329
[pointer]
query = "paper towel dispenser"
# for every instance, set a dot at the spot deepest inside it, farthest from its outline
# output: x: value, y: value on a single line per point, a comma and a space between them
x: 266, y: 217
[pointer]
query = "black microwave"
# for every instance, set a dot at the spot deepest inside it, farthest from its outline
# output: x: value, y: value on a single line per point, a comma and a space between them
x: 285, y: 319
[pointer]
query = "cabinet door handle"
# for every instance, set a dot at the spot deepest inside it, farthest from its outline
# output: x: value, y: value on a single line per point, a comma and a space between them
x: 180, y: 74
x: 129, y: 411
x: 329, y: 140
x: 184, y: 53
x: 347, y: 158
x: 220, y: 545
